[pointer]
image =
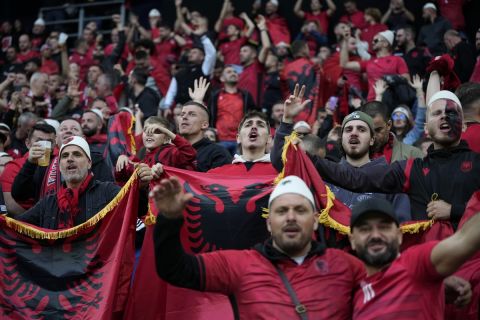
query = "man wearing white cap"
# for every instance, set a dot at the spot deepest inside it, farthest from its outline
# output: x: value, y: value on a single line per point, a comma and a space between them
x: 287, y: 277
x: 431, y: 33
x: 384, y: 64
x: 81, y: 196
x: 438, y: 185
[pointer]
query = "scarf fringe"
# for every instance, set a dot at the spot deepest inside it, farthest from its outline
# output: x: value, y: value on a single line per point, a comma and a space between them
x: 150, y: 219
x: 133, y: 145
x: 35, y: 233
x: 416, y: 227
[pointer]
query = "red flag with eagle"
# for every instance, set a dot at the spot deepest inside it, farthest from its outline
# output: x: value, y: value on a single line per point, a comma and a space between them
x: 121, y: 137
x: 82, y: 272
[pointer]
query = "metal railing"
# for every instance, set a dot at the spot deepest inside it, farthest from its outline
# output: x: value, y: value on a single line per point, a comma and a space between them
x: 82, y: 19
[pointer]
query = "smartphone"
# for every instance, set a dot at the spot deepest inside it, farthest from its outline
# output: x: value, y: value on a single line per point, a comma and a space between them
x: 332, y: 103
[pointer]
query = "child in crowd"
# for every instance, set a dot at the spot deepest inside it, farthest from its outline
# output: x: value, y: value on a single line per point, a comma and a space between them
x: 160, y: 146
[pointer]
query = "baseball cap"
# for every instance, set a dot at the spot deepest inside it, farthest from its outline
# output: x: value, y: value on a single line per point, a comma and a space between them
x: 301, y: 124
x: 401, y: 110
x: 154, y: 13
x: 359, y: 115
x: 4, y: 126
x: 97, y: 112
x: 388, y: 35
x: 39, y: 22
x: 444, y: 94
x: 79, y: 142
x: 372, y: 205
x: 430, y: 5
x: 291, y: 184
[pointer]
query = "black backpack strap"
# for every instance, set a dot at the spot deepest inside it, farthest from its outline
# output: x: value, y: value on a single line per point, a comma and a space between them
x: 299, y: 307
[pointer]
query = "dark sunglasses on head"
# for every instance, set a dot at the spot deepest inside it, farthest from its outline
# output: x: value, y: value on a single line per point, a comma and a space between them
x: 399, y: 116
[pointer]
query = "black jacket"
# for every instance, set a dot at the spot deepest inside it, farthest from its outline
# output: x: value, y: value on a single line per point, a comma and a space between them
x: 248, y: 104
x: 148, y: 101
x: 45, y: 213
x: 210, y: 155
x: 453, y: 174
x: 28, y: 182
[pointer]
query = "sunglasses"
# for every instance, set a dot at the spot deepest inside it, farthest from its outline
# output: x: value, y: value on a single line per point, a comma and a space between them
x: 399, y: 116
x: 377, y: 40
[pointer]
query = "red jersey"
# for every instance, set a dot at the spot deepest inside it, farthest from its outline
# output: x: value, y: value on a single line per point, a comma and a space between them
x: 472, y: 136
x: 410, y: 288
x: 30, y: 54
x: 84, y: 61
x: 167, y: 52
x: 231, y: 50
x: 49, y: 67
x: 249, y: 79
x: 229, y: 21
x: 8, y: 176
x: 357, y: 19
x: 323, y: 283
x: 321, y: 18
x: 229, y: 113
x: 452, y: 10
x: 109, y: 49
x: 278, y: 29
x: 370, y: 31
x: 376, y: 68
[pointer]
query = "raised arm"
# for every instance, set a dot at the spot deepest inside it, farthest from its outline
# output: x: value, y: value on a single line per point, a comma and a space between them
x: 249, y: 23
x: 331, y: 8
x: 297, y: 9
x: 451, y: 253
x: 418, y: 129
x: 264, y: 38
x: 223, y: 13
x: 433, y: 85
x: 344, y: 56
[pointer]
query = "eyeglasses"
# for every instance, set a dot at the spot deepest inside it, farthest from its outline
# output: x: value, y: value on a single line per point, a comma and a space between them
x: 399, y: 116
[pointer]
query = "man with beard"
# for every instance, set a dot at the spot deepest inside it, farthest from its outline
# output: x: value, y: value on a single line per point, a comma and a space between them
x: 62, y: 210
x: 416, y: 58
x: 37, y: 182
x: 193, y: 121
x: 461, y: 52
x: 431, y: 33
x: 288, y: 276
x: 357, y: 141
x: 92, y: 126
x: 384, y: 63
x: 438, y: 185
x: 386, y: 143
x: 227, y: 107
x: 200, y: 63
x: 409, y: 285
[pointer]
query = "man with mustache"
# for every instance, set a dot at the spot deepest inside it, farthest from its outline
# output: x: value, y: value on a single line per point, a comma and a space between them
x: 357, y: 141
x: 287, y: 277
x: 438, y: 185
x: 409, y: 285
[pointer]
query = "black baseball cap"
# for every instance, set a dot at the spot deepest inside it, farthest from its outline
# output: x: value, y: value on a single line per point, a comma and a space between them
x: 372, y: 205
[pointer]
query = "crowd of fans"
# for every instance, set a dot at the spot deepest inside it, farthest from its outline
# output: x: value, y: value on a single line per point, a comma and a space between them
x: 209, y: 96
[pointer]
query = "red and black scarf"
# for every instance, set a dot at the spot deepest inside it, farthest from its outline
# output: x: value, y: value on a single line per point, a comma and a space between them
x: 67, y: 199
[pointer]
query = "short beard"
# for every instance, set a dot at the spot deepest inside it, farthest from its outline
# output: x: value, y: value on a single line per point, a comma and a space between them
x: 75, y: 178
x: 89, y: 132
x: 381, y: 260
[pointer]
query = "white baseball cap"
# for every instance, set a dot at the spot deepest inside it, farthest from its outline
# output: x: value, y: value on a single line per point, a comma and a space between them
x: 388, y: 35
x: 39, y: 22
x: 79, y: 142
x: 444, y: 94
x: 291, y: 184
x: 154, y: 13
x: 97, y: 112
x: 301, y: 124
x: 274, y: 2
x: 430, y: 5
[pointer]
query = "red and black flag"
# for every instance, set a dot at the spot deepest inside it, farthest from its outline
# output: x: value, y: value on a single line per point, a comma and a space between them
x: 121, y: 137
x: 225, y: 213
x: 303, y: 72
x: 77, y: 273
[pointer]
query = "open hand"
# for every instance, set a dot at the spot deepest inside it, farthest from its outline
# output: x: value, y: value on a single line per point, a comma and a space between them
x: 294, y: 105
x: 169, y: 197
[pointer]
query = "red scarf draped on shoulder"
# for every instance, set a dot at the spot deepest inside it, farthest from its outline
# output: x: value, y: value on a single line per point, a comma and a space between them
x: 67, y: 199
